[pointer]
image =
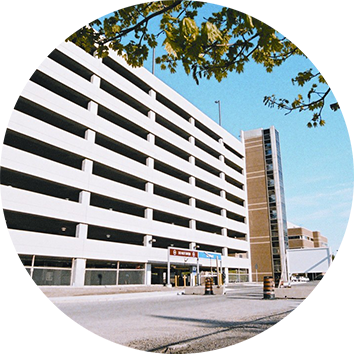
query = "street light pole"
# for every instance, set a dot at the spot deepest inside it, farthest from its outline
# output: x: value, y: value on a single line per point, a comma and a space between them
x: 168, y: 268
x: 153, y: 61
x: 219, y: 104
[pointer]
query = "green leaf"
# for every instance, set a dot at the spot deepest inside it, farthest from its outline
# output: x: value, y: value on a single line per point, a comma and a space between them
x: 189, y: 29
x: 169, y: 48
x: 211, y: 32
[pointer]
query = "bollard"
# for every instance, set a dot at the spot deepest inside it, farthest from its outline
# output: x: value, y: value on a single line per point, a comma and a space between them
x: 208, y: 286
x: 268, y: 288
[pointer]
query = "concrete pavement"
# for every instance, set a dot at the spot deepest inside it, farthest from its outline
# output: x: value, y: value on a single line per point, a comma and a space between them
x: 163, y: 321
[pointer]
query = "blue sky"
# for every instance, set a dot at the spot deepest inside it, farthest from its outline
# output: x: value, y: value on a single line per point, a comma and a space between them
x: 317, y: 162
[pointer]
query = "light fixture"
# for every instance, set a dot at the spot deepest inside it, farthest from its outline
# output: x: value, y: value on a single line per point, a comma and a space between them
x: 63, y: 229
x: 108, y: 235
x: 219, y: 104
x: 152, y: 240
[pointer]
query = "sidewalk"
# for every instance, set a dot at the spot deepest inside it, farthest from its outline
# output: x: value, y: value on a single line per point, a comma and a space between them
x: 61, y: 291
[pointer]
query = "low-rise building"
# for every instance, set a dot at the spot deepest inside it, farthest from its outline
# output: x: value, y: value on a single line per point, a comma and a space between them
x: 301, y: 237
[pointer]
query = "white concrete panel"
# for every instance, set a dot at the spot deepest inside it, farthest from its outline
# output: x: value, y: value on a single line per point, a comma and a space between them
x: 60, y: 246
x: 27, y: 163
x: 23, y: 201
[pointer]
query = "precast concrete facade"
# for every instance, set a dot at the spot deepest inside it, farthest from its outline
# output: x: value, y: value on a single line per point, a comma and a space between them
x: 104, y: 167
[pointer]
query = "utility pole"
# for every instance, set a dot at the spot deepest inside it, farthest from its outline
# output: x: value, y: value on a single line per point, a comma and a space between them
x: 219, y: 104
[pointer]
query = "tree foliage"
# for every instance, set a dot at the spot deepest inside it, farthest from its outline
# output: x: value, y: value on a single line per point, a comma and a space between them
x: 300, y: 103
x: 206, y: 46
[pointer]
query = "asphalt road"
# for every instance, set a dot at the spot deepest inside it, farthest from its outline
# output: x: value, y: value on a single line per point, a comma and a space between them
x: 168, y: 322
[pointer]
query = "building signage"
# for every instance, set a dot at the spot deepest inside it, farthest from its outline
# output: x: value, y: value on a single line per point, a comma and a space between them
x: 183, y: 253
x: 209, y: 255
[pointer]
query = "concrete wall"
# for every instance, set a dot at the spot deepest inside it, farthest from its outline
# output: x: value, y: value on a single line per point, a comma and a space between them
x: 310, y: 260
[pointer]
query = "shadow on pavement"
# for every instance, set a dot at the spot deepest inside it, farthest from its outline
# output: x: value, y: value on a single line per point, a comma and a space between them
x: 255, y: 325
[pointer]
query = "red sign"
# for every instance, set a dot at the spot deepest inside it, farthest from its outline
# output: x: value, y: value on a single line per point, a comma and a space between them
x: 183, y: 253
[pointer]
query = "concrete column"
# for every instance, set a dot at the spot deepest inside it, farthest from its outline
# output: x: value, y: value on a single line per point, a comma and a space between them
x: 148, y: 274
x: 192, y: 180
x: 93, y: 106
x: 192, y: 225
x: 192, y: 162
x: 90, y: 135
x: 150, y: 162
x: 148, y: 241
x: 148, y: 213
x: 152, y: 93
x: 78, y: 276
x: 151, y: 138
x: 226, y: 270
x: 87, y: 166
x: 95, y: 80
x: 192, y: 120
x: 192, y: 202
x: 223, y: 194
x: 191, y: 139
x: 223, y: 213
x: 221, y: 141
x: 84, y: 197
x: 152, y: 115
x: 81, y: 231
x: 192, y: 245
x: 224, y: 231
x: 149, y: 187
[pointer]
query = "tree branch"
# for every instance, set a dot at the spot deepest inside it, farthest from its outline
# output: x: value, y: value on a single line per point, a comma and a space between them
x: 144, y: 21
